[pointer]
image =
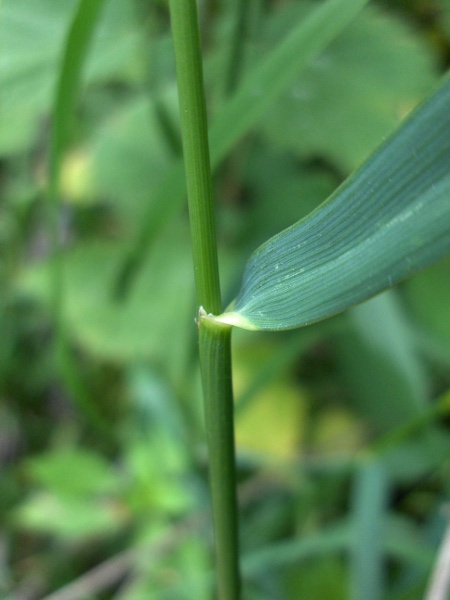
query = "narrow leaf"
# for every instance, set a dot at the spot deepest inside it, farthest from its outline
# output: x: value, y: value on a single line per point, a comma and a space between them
x: 275, y: 74
x: 370, y: 496
x: 75, y: 52
x: 387, y: 221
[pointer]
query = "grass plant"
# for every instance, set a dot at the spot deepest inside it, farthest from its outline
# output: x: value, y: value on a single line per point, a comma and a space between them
x: 67, y: 94
x: 340, y: 428
x: 389, y: 220
x: 214, y: 339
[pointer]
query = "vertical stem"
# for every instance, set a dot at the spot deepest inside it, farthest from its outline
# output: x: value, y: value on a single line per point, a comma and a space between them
x: 215, y: 360
x: 215, y: 353
x: 196, y: 152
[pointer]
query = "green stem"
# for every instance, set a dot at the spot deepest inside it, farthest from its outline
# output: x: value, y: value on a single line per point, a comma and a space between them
x: 215, y: 360
x: 215, y: 350
x: 196, y: 152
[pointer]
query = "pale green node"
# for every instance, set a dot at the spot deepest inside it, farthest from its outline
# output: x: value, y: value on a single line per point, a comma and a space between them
x: 232, y: 318
x: 225, y: 319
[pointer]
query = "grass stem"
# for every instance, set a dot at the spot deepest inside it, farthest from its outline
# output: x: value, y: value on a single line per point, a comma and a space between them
x: 215, y: 340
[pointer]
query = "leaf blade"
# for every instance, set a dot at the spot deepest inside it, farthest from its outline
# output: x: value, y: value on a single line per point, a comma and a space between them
x: 386, y: 222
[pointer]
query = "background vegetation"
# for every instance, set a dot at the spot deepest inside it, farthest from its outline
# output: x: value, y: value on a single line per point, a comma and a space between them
x: 342, y: 427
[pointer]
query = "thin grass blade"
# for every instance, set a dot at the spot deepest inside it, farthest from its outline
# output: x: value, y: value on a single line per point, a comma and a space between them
x: 69, y: 83
x: 270, y: 80
x: 386, y: 222
x: 367, y: 568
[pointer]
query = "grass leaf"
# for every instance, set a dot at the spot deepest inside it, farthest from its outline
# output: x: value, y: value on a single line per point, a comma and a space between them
x: 387, y: 221
x: 367, y: 568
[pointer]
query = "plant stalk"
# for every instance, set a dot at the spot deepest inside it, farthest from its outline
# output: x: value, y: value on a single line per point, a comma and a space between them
x: 214, y: 339
x: 215, y: 361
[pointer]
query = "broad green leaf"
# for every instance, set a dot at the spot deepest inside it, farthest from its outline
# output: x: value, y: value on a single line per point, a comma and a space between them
x: 67, y: 518
x: 72, y: 472
x: 140, y: 328
x: 355, y: 92
x: 387, y: 221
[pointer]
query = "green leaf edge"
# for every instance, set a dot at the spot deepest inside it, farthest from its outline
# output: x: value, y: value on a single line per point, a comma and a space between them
x: 237, y: 318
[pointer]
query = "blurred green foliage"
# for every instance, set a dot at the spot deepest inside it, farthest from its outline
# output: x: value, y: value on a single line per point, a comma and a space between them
x: 342, y: 428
